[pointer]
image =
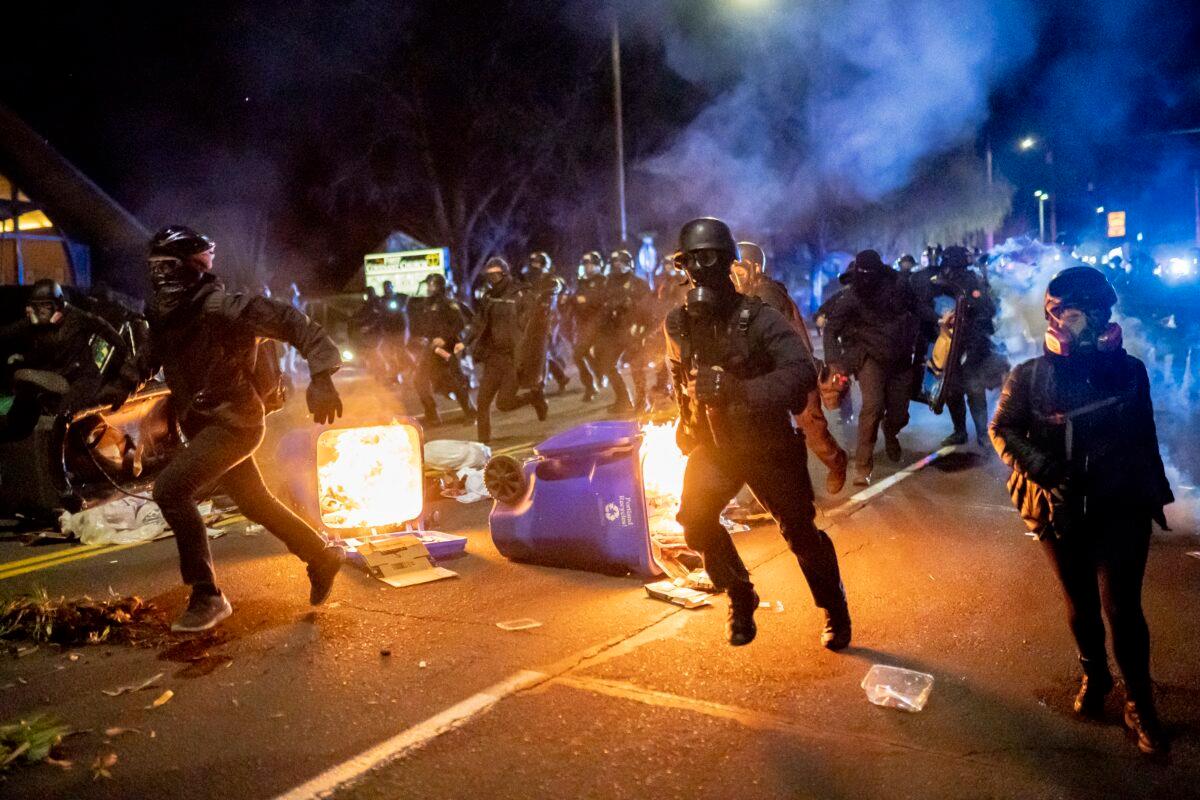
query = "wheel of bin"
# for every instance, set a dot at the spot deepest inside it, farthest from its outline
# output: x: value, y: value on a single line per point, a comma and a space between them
x: 505, y: 479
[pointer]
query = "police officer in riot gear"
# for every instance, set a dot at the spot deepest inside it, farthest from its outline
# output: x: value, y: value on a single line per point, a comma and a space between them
x: 497, y: 340
x: 583, y: 317
x: 670, y: 291
x: 206, y: 342
x: 1076, y: 425
x: 738, y: 367
x: 750, y: 277
x: 437, y: 325
x: 547, y: 288
x: 626, y: 321
x: 956, y: 279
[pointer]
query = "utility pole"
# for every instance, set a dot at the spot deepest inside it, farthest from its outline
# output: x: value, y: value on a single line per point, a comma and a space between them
x: 1196, y: 202
x: 991, y: 233
x: 619, y: 128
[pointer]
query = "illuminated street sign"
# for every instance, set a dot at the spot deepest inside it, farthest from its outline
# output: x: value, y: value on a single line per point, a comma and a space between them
x: 405, y: 269
x: 1116, y: 224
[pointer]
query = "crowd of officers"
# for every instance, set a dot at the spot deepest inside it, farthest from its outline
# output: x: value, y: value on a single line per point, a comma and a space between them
x: 520, y: 333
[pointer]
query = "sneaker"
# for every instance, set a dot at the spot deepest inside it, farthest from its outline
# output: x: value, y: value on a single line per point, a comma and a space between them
x: 204, y: 611
x: 589, y: 394
x: 1089, y: 702
x: 563, y: 384
x: 891, y: 446
x: 954, y: 439
x: 321, y: 572
x: 862, y: 477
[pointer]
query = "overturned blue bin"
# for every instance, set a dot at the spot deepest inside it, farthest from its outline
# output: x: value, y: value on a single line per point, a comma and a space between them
x: 580, y: 503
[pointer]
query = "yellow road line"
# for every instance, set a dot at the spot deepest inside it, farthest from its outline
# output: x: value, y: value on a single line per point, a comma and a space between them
x: 74, y: 555
x: 45, y: 557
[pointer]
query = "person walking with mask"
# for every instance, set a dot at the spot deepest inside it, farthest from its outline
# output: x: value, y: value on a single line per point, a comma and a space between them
x: 1076, y: 426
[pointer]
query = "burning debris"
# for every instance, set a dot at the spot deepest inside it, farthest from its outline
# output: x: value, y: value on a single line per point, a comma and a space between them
x: 38, y: 618
x: 369, y: 477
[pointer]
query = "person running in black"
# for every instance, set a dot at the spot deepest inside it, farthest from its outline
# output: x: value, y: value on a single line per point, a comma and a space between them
x: 738, y: 368
x: 205, y: 341
x: 582, y: 315
x: 1076, y: 425
x: 437, y: 323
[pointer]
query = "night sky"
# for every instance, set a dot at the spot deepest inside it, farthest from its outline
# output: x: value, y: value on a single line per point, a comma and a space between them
x: 301, y: 133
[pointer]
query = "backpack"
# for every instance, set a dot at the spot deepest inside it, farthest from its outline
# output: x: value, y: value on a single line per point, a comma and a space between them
x: 267, y: 378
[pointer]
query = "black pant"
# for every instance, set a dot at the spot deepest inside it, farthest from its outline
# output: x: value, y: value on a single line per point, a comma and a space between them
x: 582, y: 353
x: 967, y: 382
x: 885, y: 394
x: 610, y: 352
x: 434, y: 374
x: 217, y: 454
x: 499, y: 383
x: 779, y: 479
x: 1100, y: 568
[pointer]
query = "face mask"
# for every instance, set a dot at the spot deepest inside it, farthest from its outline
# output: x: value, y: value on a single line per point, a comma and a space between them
x: 1071, y: 330
x: 494, y: 279
x: 709, y: 269
x: 44, y: 313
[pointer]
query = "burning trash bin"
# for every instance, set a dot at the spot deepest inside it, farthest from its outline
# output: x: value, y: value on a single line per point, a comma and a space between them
x: 600, y: 497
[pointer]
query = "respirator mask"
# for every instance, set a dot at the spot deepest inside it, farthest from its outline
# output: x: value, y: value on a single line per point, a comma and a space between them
x: 1075, y: 330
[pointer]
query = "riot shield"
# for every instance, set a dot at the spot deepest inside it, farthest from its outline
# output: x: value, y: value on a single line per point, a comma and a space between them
x: 938, y: 361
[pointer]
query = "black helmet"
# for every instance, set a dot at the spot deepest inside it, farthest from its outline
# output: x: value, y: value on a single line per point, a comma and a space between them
x: 707, y: 233
x: 1079, y: 287
x: 592, y: 258
x: 622, y: 257
x: 867, y: 264
x: 543, y: 257
x: 46, y: 290
x: 435, y: 283
x: 494, y: 262
x: 956, y: 257
x: 907, y: 258
x: 180, y: 241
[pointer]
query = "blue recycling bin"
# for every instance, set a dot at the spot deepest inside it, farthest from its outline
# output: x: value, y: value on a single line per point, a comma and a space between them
x: 583, y: 504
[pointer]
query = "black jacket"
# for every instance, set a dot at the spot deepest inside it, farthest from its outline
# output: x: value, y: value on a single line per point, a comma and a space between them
x: 437, y: 318
x: 758, y: 346
x: 881, y: 326
x: 1080, y: 438
x: 207, y: 347
x: 499, y: 325
x: 65, y: 348
x: 628, y: 306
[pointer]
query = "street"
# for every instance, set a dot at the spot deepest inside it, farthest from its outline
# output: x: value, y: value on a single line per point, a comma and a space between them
x: 416, y: 692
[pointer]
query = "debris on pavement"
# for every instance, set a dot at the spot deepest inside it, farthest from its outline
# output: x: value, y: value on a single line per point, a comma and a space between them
x: 678, y: 595
x: 102, y: 765
x: 112, y: 733
x: 401, y: 561
x: 465, y: 485
x: 421, y: 665
x: 29, y: 740
x: 523, y: 624
x: 452, y: 455
x: 126, y: 520
x: 161, y: 700
x: 896, y: 687
x: 1193, y: 553
x: 146, y: 684
x: 37, y: 618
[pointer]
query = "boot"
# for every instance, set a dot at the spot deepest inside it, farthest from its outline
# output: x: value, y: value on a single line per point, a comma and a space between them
x: 1096, y: 684
x: 835, y: 480
x: 836, y: 634
x: 1142, y: 720
x: 540, y: 406
x: 862, y: 476
x: 891, y: 446
x: 741, y: 629
x: 956, y: 438
x: 589, y: 393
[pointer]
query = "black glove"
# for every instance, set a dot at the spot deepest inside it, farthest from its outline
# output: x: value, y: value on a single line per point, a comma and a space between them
x: 323, y: 401
x: 715, y: 387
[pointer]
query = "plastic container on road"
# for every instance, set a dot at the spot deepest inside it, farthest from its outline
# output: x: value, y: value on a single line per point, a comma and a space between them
x: 896, y: 687
x: 580, y: 504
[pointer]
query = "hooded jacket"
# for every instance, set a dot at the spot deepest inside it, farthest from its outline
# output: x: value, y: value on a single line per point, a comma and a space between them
x: 207, y: 346
x: 881, y: 324
x: 1079, y: 435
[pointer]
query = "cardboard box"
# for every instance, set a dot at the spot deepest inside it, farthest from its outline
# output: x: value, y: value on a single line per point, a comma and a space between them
x: 402, y: 561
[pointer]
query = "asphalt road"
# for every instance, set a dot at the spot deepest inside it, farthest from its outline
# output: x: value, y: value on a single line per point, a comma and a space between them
x: 616, y: 695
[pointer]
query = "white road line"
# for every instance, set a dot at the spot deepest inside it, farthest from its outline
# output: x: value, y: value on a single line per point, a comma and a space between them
x: 403, y: 743
x: 417, y: 736
x: 856, y: 500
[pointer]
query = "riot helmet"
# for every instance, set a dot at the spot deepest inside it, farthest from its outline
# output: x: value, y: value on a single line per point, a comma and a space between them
x: 591, y: 265
x: 539, y: 262
x: 749, y: 267
x: 496, y: 271
x: 707, y: 252
x: 906, y: 263
x: 46, y: 302
x: 956, y: 258
x: 620, y: 262
x: 435, y: 284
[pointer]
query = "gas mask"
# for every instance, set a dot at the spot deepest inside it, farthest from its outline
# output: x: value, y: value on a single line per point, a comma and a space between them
x: 44, y: 313
x: 171, y: 278
x: 709, y: 269
x: 1072, y: 330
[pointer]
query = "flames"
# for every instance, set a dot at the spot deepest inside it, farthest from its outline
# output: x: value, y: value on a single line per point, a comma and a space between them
x: 369, y: 477
x: 662, y: 475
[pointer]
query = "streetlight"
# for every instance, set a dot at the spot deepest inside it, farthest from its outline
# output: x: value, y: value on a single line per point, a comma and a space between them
x: 1042, y: 198
x: 1099, y: 209
x: 1029, y: 143
x: 619, y: 127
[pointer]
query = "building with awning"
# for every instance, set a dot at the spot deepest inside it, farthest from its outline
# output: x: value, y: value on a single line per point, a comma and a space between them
x: 56, y: 223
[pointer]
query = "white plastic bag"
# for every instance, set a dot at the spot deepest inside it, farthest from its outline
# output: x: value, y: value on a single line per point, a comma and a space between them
x: 454, y: 454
